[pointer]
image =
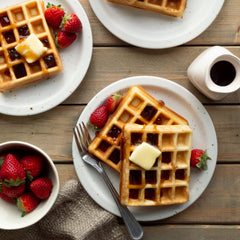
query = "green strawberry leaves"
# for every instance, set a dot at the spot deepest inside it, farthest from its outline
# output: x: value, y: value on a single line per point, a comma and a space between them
x: 203, y: 161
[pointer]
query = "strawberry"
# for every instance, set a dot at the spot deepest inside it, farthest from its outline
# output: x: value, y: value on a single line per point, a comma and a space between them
x: 12, y: 173
x: 6, y: 198
x: 2, y: 158
x: 32, y: 164
x: 199, y: 159
x: 64, y: 39
x: 71, y: 23
x: 41, y: 187
x: 113, y: 102
x: 13, y: 192
x: 54, y: 15
x: 99, y: 117
x: 27, y: 202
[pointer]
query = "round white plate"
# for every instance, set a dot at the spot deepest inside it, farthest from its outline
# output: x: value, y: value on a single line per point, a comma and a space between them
x: 180, y: 100
x: 153, y: 30
x: 45, y: 94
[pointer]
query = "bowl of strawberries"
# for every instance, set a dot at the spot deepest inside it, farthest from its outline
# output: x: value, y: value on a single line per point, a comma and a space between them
x: 29, y: 184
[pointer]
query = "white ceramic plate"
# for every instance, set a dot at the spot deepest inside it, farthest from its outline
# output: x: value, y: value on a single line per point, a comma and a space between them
x: 152, y: 30
x: 46, y: 94
x: 180, y: 100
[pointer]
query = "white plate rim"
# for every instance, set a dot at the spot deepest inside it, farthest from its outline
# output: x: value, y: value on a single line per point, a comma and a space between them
x: 88, y: 180
x: 76, y: 80
x: 119, y: 32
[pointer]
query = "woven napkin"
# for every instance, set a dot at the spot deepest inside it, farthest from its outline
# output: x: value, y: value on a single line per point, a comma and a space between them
x: 74, y: 216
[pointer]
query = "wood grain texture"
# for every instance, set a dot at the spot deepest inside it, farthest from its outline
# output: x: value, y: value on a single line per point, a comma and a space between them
x: 52, y: 130
x: 225, y: 30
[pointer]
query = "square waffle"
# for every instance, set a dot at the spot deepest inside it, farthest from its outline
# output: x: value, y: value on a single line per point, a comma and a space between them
x: 136, y: 107
x: 167, y: 182
x: 16, y: 23
x: 174, y: 8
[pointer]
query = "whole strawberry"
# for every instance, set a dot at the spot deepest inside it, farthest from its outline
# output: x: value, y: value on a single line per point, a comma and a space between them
x: 64, y: 39
x: 32, y: 164
x: 6, y: 198
x: 71, y: 23
x: 99, y: 117
x: 12, y: 173
x: 13, y: 192
x: 41, y: 187
x: 113, y: 102
x: 54, y: 15
x: 27, y: 202
x: 199, y: 159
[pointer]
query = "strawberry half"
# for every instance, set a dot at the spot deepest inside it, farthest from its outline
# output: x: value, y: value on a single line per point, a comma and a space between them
x: 71, y: 23
x: 99, y: 117
x: 64, y: 39
x: 32, y: 164
x: 41, y: 187
x: 12, y: 173
x: 54, y: 15
x: 27, y: 202
x: 199, y: 159
x: 113, y: 102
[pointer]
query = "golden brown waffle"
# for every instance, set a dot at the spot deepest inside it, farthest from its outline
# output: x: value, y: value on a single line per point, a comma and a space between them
x: 167, y: 182
x: 16, y: 23
x: 136, y: 107
x: 174, y: 8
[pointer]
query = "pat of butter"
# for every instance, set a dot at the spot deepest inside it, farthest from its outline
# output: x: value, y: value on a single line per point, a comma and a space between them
x: 145, y: 155
x: 31, y: 48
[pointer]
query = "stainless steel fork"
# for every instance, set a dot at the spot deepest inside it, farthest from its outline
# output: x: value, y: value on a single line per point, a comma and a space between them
x: 83, y: 139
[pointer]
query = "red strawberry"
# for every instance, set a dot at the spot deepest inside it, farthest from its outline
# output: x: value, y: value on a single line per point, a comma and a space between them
x: 64, y: 39
x: 2, y: 158
x: 6, y: 198
x: 32, y: 164
x: 12, y: 173
x: 113, y: 102
x: 13, y: 192
x: 54, y: 15
x: 27, y: 202
x: 199, y: 159
x: 41, y: 187
x: 99, y: 117
x: 71, y: 23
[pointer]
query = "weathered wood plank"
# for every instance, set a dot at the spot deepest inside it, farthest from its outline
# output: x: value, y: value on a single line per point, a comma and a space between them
x: 123, y: 62
x: 223, y: 31
x: 221, y: 199
x: 52, y: 130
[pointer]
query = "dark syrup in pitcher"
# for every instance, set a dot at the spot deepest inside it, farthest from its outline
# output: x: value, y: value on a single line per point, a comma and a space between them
x: 222, y: 73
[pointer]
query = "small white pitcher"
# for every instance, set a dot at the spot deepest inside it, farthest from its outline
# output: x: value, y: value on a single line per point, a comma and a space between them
x: 208, y: 66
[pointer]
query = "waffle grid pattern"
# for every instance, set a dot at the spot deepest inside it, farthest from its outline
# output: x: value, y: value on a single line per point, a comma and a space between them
x: 168, y: 180
x: 18, y: 22
x: 137, y: 107
x: 173, y: 8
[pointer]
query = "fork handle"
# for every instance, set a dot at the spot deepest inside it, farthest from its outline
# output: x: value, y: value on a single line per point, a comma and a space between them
x: 134, y: 228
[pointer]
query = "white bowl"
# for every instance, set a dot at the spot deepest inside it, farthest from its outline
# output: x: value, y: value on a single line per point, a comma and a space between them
x: 10, y: 215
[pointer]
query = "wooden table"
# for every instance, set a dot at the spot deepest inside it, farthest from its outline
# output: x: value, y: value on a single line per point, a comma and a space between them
x: 216, y: 214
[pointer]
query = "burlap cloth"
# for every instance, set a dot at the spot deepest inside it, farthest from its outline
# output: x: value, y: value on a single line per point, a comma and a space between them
x: 74, y: 216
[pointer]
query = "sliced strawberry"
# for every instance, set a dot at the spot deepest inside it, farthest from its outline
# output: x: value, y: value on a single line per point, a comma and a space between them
x: 113, y: 102
x: 41, y: 187
x: 99, y: 117
x: 64, y: 39
x: 27, y: 202
x: 199, y: 159
x: 71, y: 23
x: 54, y: 15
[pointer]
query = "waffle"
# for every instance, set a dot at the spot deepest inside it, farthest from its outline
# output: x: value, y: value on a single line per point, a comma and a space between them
x: 174, y: 8
x: 136, y: 107
x: 167, y: 182
x: 16, y: 23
